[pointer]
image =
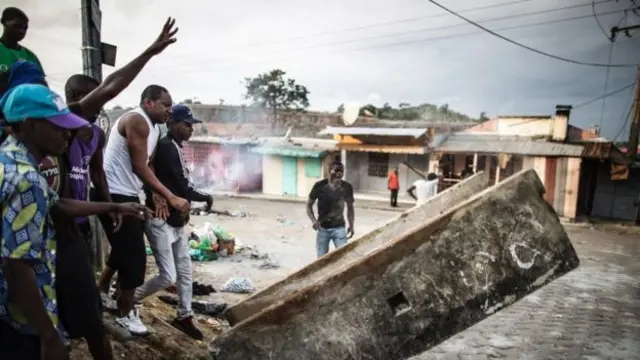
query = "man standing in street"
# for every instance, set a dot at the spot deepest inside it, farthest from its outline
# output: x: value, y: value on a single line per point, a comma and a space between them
x: 15, y: 24
x: 394, y: 186
x: 166, y: 234
x: 423, y: 190
x: 132, y: 143
x: 332, y: 194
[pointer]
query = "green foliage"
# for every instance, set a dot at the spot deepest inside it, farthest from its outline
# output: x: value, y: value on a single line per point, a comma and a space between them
x: 274, y: 91
x: 407, y: 112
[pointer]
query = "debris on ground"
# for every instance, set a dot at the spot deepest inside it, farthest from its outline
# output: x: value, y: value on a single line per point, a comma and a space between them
x: 269, y: 264
x: 198, y: 289
x: 209, y: 242
x: 204, y: 212
x: 200, y: 307
x: 238, y: 285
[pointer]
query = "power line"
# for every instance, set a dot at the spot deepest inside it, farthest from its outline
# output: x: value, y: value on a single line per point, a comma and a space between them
x: 526, y: 46
x: 307, y: 47
x: 624, y: 125
x: 604, y: 96
x: 606, y: 83
x: 191, y: 68
x: 595, y: 16
x: 442, y: 27
x: 374, y: 25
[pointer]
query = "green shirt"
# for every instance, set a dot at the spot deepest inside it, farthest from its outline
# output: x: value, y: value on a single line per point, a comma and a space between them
x: 9, y: 56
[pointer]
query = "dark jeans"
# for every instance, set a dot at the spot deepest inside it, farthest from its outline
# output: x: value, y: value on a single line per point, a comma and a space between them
x: 17, y: 346
x: 394, y: 197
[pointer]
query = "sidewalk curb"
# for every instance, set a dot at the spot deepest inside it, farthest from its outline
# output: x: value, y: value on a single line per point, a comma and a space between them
x: 285, y: 199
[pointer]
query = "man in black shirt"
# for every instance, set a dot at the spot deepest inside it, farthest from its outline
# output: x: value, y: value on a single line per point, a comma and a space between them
x: 169, y: 242
x: 332, y: 194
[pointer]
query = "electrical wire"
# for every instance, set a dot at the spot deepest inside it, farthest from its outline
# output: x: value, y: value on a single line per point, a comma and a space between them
x: 526, y: 46
x: 624, y: 125
x: 595, y: 16
x: 191, y: 68
x: 195, y: 66
x: 442, y: 27
x: 370, y: 26
x: 606, y: 83
x: 604, y: 96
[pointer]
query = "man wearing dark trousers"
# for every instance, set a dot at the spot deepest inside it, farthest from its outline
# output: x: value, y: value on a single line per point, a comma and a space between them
x: 394, y: 186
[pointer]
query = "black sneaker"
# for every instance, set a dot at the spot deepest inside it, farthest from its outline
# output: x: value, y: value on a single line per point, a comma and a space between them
x: 188, y: 327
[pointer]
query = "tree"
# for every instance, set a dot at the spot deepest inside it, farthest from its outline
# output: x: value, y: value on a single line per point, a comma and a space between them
x: 187, y: 101
x: 340, y: 109
x: 272, y: 90
x: 483, y: 116
x: 117, y: 107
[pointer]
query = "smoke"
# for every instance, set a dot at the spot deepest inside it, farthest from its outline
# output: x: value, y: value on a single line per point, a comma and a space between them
x: 216, y: 167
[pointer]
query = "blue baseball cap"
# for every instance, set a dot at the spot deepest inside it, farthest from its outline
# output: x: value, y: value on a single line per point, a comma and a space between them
x: 183, y: 113
x: 35, y: 101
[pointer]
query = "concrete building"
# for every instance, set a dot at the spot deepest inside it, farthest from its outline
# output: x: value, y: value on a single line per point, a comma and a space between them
x: 370, y: 153
x: 570, y: 161
x: 291, y: 166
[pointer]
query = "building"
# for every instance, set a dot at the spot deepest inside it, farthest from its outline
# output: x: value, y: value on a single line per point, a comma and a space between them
x: 290, y: 166
x: 370, y: 153
x: 570, y: 161
x: 224, y: 163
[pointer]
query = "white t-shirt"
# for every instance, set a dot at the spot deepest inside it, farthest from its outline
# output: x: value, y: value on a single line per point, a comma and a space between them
x: 425, y: 189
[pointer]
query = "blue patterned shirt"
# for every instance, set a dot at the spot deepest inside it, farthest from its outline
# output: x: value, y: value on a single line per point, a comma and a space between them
x: 27, y: 229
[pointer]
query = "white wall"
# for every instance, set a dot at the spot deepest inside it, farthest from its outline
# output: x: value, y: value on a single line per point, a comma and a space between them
x: 272, y: 175
x: 357, y: 171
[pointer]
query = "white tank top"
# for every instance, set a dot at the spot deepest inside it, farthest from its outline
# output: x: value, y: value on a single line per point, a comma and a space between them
x: 117, y: 160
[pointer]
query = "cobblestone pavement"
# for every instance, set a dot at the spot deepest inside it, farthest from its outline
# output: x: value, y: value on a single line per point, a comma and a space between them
x: 591, y: 313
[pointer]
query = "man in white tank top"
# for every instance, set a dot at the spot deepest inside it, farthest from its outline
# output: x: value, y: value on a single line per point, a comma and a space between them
x: 131, y: 145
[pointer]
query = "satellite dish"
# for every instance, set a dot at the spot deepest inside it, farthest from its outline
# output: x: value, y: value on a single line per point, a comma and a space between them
x: 350, y: 113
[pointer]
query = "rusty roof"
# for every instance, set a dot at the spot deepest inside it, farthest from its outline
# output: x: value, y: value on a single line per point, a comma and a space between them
x: 508, y: 144
x: 375, y: 131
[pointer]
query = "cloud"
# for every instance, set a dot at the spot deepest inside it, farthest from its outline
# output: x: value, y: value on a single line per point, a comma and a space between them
x: 401, y: 60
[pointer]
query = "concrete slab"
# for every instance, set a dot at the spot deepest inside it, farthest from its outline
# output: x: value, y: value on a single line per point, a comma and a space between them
x: 417, y: 290
x: 358, y: 248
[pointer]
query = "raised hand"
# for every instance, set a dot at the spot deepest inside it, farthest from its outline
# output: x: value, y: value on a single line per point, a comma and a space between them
x: 166, y: 37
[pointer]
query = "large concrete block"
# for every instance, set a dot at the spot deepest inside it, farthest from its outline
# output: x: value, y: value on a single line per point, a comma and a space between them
x: 422, y: 287
x: 358, y: 248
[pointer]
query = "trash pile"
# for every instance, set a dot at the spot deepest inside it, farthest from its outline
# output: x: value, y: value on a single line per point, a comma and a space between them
x: 209, y: 242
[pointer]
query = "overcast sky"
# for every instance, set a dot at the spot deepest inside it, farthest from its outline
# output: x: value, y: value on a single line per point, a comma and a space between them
x: 390, y: 58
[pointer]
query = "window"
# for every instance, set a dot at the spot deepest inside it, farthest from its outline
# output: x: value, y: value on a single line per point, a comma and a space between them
x: 378, y: 165
x: 313, y: 168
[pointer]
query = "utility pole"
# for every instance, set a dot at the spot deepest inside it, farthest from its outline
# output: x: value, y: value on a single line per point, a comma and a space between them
x: 635, y: 120
x: 635, y: 113
x: 91, y: 45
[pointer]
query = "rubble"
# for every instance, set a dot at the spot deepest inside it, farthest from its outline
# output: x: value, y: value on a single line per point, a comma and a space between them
x: 438, y: 278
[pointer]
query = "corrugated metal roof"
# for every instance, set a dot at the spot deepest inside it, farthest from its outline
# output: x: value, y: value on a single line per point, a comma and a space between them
x: 287, y: 151
x: 508, y: 144
x: 376, y: 131
x: 297, y: 147
x: 231, y: 140
x: 389, y: 149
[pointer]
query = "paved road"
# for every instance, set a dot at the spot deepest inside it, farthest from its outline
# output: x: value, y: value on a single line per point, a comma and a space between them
x: 590, y: 313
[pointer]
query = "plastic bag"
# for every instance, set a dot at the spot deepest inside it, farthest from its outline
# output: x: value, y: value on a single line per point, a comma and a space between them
x: 239, y: 285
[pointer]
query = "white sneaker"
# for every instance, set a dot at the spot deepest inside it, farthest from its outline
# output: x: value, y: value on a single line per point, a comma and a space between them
x: 133, y: 324
x: 107, y: 302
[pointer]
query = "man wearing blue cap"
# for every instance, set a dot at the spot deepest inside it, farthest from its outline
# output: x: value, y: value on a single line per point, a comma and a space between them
x: 41, y: 125
x: 169, y: 242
